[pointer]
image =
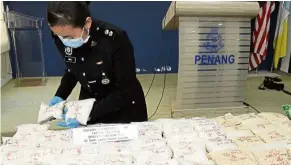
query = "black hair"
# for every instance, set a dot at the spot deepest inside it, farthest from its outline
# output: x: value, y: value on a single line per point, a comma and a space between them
x: 60, y: 13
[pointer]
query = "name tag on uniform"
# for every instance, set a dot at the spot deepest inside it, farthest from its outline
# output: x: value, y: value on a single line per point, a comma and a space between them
x: 70, y: 59
x: 92, y: 82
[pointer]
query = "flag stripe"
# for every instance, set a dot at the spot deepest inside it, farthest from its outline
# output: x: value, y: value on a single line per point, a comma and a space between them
x: 265, y: 28
x: 261, y: 34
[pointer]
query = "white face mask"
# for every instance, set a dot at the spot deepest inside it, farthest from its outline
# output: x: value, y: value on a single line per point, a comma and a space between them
x: 76, y: 42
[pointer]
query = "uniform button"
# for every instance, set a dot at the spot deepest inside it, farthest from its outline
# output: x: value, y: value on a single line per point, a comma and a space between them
x: 82, y: 58
x: 133, y: 102
x: 84, y: 74
x: 106, y: 31
x: 97, y: 28
x: 110, y: 33
x: 88, y: 86
x: 69, y: 70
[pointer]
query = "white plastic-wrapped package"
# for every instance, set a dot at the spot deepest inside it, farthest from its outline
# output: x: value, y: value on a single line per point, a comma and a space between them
x: 257, y: 128
x: 114, y: 159
x: 222, y: 119
x: 234, y: 121
x: 50, y: 136
x: 233, y: 157
x: 65, y: 136
x: 238, y: 133
x: 178, y: 127
x: 269, y: 146
x: 209, y: 162
x: 32, y: 128
x: 72, y: 150
x: 148, y: 146
x: 54, y: 147
x: 187, y: 148
x: 75, y: 160
x: 228, y: 116
x: 80, y: 110
x: 197, y: 119
x: 27, y: 136
x: 190, y: 153
x: 37, y: 155
x: 149, y: 129
x: 246, y: 116
x: 273, y: 135
x: 211, y: 134
x: 20, y: 144
x: 142, y: 141
x: 219, y: 119
x: 231, y: 122
x: 231, y: 128
x: 246, y: 141
x: 272, y: 157
x: 216, y: 145
x: 206, y: 125
x: 92, y: 149
x: 45, y: 136
x: 284, y: 125
x: 21, y: 162
x: 158, y: 153
x: 273, y: 117
x: 37, y: 138
x: 158, y: 162
x: 184, y: 141
x: 124, y: 147
x: 47, y: 113
x: 9, y: 153
x: 254, y: 121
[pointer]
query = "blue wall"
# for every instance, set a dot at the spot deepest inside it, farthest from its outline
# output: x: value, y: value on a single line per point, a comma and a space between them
x: 141, y: 20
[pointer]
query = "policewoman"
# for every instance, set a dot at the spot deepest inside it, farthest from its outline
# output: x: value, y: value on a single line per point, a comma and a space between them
x: 100, y: 57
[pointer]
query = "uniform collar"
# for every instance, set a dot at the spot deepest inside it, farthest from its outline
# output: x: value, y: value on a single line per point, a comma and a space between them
x: 95, y: 33
x: 98, y: 31
x: 95, y: 29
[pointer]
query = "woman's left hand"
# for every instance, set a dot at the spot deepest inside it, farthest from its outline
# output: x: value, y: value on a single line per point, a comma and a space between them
x: 69, y: 123
x: 76, y: 113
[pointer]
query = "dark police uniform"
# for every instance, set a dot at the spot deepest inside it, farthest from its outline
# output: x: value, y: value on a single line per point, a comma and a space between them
x: 105, y: 68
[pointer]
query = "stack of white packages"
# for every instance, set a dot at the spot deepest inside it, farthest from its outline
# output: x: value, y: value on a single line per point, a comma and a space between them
x: 208, y: 129
x: 151, y: 148
x: 188, y: 149
x: 262, y: 139
x: 234, y: 157
x: 188, y: 137
x: 214, y: 133
x: 274, y: 156
x: 248, y: 139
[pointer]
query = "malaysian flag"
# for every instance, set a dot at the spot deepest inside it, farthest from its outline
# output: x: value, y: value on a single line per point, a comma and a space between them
x: 261, y: 35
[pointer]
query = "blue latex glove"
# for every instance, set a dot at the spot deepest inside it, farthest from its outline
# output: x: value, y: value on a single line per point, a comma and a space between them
x: 55, y: 101
x: 69, y: 123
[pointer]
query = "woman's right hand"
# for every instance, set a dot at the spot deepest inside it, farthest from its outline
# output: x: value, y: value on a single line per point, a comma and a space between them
x: 55, y: 101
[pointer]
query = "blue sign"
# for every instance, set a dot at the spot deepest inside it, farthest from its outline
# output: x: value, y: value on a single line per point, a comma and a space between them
x: 214, y: 59
x: 213, y: 45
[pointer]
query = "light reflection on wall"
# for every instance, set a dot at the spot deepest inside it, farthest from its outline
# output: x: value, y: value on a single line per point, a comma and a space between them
x: 156, y: 70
